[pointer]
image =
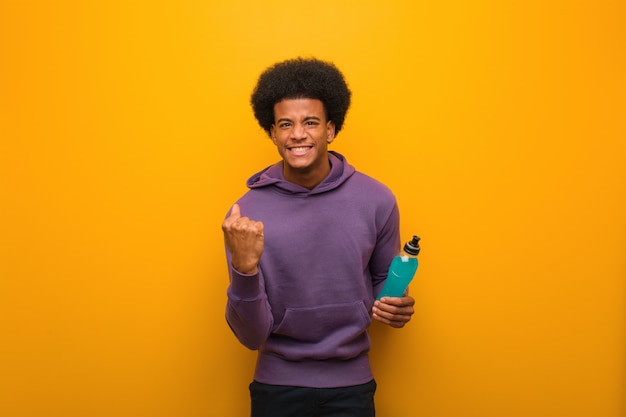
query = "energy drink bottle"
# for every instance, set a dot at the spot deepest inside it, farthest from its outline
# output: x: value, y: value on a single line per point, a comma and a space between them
x: 401, y: 270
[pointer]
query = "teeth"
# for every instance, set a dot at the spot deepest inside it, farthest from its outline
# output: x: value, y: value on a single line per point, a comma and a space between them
x: 301, y: 149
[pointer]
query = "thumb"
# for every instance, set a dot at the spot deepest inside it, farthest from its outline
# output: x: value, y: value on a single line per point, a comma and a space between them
x: 235, y: 211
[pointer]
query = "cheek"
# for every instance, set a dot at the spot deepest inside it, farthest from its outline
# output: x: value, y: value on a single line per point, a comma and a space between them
x: 278, y: 140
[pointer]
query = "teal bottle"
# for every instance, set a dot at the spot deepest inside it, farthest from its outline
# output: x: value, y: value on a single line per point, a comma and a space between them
x: 401, y: 270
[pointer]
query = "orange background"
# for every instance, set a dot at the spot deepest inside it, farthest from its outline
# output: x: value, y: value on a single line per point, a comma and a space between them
x: 126, y: 135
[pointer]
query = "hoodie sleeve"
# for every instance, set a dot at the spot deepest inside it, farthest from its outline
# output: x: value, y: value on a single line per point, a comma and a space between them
x: 248, y: 312
x: 387, y: 246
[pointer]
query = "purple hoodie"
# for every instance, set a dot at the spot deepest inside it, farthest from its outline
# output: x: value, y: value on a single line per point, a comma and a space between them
x: 326, y: 255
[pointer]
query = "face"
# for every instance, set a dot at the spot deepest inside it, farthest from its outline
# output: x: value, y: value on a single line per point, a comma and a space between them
x: 302, y: 134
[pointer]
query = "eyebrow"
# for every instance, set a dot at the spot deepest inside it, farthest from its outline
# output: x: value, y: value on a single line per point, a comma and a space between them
x: 286, y: 119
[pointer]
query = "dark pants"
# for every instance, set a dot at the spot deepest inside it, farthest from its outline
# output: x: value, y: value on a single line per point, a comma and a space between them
x: 285, y: 401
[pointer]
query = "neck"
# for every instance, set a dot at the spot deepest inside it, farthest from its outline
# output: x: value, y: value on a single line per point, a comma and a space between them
x: 308, y: 179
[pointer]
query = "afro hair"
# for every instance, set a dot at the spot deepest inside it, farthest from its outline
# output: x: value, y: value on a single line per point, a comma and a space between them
x: 301, y: 78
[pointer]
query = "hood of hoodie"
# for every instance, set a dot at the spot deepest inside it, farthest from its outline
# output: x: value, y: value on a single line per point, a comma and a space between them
x: 272, y: 176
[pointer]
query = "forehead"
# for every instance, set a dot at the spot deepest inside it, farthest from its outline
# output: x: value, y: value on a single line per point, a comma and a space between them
x: 299, y: 108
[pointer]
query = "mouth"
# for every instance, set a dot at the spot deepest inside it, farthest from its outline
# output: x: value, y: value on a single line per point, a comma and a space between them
x: 299, y: 150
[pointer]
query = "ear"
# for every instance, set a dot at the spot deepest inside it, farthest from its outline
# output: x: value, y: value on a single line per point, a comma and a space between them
x: 272, y: 132
x: 330, y: 129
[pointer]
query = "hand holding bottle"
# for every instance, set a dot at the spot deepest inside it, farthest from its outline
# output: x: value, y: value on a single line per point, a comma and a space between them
x: 394, y: 311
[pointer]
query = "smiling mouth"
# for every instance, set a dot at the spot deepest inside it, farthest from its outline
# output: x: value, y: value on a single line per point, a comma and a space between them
x: 300, y: 149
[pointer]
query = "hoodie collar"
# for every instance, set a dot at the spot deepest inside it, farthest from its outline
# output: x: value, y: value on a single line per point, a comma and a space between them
x: 272, y: 176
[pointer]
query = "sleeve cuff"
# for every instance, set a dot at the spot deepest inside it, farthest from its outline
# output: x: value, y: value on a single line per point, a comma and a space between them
x: 244, y: 286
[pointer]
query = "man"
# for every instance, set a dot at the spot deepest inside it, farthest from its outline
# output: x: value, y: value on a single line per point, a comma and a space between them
x: 308, y: 248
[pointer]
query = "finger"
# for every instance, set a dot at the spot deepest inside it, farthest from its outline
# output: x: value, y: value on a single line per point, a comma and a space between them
x: 390, y: 322
x: 234, y: 215
x: 391, y: 312
x: 249, y: 227
x: 398, y: 301
x: 235, y: 211
x: 259, y: 227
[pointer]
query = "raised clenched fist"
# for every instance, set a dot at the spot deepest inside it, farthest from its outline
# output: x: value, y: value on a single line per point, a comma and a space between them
x: 245, y: 240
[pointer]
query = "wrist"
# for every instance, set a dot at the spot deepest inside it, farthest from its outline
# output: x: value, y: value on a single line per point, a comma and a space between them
x: 244, y: 269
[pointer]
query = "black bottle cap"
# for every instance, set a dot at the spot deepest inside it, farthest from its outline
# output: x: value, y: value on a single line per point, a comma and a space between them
x: 412, y: 247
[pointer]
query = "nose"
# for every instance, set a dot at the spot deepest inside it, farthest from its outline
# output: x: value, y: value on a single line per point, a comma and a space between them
x: 298, y: 131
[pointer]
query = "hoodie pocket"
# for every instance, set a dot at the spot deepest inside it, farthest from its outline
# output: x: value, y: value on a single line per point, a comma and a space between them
x: 322, y: 332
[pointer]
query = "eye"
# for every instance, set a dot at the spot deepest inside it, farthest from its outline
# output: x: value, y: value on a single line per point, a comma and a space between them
x: 284, y: 125
x: 311, y: 123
